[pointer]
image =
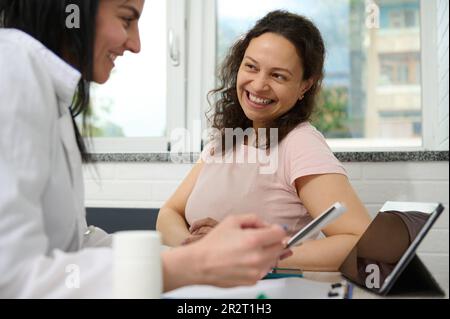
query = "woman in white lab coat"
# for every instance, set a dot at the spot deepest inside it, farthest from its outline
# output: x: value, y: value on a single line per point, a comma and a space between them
x: 49, y: 52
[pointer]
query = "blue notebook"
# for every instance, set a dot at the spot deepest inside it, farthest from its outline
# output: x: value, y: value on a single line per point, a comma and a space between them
x: 278, y: 273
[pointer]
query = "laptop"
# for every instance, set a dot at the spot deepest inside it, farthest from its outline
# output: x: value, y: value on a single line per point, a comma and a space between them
x: 384, y: 260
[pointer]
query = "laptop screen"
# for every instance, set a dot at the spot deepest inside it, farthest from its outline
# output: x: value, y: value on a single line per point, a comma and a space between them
x: 389, y: 240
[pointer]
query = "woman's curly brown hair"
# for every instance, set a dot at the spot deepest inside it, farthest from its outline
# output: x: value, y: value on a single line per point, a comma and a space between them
x: 304, y: 35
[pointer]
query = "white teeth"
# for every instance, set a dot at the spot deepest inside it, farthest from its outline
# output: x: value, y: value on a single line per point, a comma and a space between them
x: 258, y: 100
x: 112, y: 57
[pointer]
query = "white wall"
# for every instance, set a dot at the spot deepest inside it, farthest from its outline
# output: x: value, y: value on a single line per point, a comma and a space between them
x: 149, y: 185
x: 443, y: 43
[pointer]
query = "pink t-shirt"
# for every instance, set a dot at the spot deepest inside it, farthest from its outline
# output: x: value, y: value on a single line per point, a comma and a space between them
x: 259, y: 187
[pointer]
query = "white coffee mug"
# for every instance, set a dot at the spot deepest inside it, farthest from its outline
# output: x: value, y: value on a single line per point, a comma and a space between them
x: 137, y: 265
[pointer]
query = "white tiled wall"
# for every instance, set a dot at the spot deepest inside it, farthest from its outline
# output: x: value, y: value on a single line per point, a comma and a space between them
x: 149, y: 185
x: 443, y: 44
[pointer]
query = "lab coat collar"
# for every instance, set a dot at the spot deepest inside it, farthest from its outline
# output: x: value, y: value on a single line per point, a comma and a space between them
x: 65, y: 78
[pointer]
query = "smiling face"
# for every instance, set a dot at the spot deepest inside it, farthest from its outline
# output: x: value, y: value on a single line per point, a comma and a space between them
x: 270, y: 79
x: 117, y: 31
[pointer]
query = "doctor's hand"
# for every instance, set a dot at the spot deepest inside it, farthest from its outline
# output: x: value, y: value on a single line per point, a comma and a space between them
x: 239, y: 251
x: 199, y: 229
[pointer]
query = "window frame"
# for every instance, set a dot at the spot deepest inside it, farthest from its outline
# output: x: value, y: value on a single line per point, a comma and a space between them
x: 201, y: 66
x: 429, y: 74
x: 194, y: 24
x: 176, y: 103
x: 428, y: 80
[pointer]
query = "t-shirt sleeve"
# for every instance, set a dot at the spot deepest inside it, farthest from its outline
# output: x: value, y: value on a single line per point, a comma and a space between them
x: 307, y: 153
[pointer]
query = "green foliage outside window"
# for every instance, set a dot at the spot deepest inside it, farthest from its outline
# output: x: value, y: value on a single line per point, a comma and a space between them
x: 331, y: 117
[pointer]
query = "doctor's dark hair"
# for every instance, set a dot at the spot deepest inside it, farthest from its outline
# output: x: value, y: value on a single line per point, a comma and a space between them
x: 304, y: 35
x: 45, y: 20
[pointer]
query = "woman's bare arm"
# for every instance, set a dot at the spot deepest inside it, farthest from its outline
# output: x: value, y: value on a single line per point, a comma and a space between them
x: 317, y: 193
x: 171, y: 219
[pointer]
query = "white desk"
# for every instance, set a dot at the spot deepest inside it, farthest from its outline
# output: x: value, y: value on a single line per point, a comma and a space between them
x: 358, y: 293
x: 314, y: 285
